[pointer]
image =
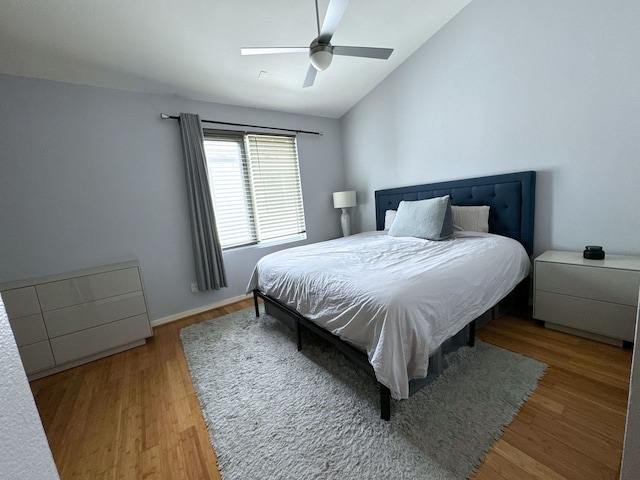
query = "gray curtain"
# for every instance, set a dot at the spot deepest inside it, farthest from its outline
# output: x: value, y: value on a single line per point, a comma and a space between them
x: 210, y: 272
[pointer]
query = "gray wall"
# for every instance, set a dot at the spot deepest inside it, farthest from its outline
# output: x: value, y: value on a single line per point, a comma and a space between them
x: 516, y: 85
x: 91, y: 176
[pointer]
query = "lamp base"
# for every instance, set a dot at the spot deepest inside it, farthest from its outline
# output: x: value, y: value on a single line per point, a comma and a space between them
x: 346, y: 223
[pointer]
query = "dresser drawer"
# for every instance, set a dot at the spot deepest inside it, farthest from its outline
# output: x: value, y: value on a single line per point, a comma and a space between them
x: 36, y: 357
x: 88, y: 288
x: 105, y: 337
x: 29, y: 329
x: 609, y: 319
x: 21, y: 302
x: 62, y: 320
x: 604, y: 284
x: 86, y: 315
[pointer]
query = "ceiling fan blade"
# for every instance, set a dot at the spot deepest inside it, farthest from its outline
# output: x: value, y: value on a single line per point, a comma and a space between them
x: 366, y: 52
x: 270, y: 50
x: 311, y: 77
x: 332, y: 18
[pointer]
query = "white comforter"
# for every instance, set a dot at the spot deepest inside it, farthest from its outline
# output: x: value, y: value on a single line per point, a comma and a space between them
x: 398, y: 299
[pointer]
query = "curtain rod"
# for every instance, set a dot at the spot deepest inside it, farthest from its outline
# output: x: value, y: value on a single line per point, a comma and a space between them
x: 164, y: 116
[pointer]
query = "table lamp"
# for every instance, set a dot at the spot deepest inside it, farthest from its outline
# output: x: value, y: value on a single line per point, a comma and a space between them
x: 345, y: 200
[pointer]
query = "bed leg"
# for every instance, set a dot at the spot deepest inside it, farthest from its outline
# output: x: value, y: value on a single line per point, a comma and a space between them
x: 472, y: 334
x: 385, y: 403
x: 255, y: 303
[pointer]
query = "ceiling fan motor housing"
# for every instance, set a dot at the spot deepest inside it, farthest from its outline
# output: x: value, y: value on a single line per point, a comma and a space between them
x: 320, y: 55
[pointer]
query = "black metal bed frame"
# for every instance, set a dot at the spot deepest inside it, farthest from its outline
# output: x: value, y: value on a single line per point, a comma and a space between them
x: 295, y: 320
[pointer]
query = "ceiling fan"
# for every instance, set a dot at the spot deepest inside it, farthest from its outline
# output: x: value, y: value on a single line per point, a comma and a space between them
x: 321, y: 51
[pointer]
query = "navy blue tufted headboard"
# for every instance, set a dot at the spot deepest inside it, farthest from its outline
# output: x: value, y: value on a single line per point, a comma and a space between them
x: 511, y: 198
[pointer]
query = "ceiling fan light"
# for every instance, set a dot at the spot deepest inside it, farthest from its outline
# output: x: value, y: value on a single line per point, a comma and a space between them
x: 321, y: 57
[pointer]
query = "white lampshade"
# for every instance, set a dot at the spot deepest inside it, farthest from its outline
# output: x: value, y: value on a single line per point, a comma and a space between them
x: 344, y: 199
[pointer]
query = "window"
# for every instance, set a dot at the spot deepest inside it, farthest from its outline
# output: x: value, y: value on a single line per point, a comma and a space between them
x: 255, y: 185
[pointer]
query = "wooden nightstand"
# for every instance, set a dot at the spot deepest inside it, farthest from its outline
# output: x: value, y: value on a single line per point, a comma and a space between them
x: 596, y: 299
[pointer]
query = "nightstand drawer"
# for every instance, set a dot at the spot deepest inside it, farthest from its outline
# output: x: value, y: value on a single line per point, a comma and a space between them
x: 604, y: 284
x: 609, y: 319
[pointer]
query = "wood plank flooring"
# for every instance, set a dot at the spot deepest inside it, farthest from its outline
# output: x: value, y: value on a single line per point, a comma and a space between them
x: 135, y: 414
x: 573, y: 425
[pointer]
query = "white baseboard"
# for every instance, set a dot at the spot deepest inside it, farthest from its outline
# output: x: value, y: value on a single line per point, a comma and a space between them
x: 196, y: 311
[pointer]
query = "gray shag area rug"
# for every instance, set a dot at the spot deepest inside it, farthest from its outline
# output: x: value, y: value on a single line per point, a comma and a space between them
x: 276, y: 413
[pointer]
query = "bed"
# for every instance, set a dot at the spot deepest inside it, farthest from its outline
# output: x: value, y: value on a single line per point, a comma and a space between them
x: 396, y: 305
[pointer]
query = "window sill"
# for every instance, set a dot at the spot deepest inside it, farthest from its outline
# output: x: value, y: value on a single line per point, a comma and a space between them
x: 271, y: 243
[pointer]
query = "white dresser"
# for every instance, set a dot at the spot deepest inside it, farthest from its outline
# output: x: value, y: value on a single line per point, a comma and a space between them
x: 593, y: 298
x: 61, y: 321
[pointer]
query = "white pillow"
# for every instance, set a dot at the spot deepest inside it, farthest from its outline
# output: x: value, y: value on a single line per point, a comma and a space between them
x: 430, y: 219
x: 389, y: 217
x: 471, y: 219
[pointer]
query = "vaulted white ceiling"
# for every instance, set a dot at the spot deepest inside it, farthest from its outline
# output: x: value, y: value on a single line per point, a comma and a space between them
x: 191, y: 48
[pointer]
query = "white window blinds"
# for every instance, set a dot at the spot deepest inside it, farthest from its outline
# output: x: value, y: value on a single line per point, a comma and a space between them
x: 255, y: 185
x: 275, y: 178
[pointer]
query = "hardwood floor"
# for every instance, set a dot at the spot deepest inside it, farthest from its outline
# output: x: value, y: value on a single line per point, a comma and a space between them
x: 573, y: 425
x: 135, y: 414
x: 132, y: 415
